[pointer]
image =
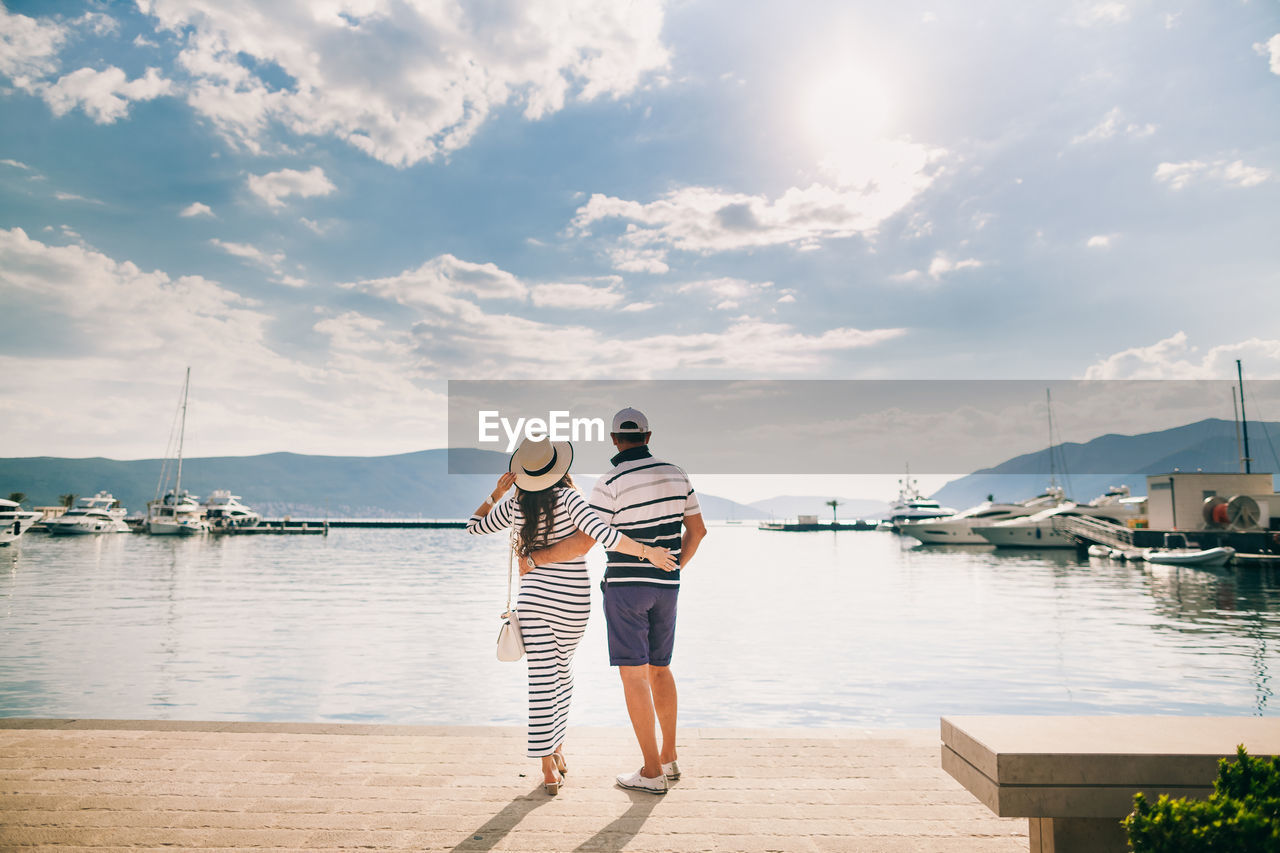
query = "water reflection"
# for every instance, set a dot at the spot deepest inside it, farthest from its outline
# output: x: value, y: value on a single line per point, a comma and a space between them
x: 776, y: 630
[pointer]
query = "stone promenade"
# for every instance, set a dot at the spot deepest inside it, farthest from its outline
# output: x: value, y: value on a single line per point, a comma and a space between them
x: 99, y: 785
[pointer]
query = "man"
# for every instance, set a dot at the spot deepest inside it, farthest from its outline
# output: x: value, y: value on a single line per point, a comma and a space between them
x: 652, y: 502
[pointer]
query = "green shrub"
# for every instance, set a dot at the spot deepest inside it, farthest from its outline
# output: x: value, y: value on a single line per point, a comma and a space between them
x: 1242, y: 815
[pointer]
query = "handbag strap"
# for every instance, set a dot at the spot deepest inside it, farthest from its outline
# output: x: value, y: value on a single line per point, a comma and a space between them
x: 511, y: 557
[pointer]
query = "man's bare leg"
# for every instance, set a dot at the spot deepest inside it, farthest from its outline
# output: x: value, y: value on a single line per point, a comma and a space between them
x: 663, y: 686
x: 635, y: 687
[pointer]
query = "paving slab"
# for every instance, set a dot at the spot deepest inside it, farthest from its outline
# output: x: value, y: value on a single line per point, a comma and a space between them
x: 133, y: 784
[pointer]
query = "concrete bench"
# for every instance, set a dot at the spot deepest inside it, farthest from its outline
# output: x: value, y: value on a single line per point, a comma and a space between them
x: 1074, y: 778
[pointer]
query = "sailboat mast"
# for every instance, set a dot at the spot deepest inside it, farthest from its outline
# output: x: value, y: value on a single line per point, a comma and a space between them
x: 177, y: 486
x: 1244, y: 420
x: 1235, y: 419
x: 1053, y: 469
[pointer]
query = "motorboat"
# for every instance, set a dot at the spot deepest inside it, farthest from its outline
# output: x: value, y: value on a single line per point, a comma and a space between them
x: 224, y: 511
x: 1039, y: 530
x: 177, y: 513
x: 14, y: 520
x: 1209, y: 557
x: 1177, y: 552
x: 910, y: 505
x: 959, y: 529
x: 101, y: 513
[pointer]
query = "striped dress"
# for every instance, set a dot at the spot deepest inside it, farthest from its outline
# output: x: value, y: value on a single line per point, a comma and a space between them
x: 554, y: 603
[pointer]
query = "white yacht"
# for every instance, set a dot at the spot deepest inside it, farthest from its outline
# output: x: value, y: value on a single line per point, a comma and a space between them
x: 174, y: 514
x: 912, y: 506
x: 1038, y: 531
x: 959, y: 529
x: 14, y: 521
x: 178, y: 512
x: 101, y: 513
x: 224, y: 511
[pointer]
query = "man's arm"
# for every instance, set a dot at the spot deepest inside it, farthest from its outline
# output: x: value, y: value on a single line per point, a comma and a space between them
x: 566, y: 549
x: 694, y: 530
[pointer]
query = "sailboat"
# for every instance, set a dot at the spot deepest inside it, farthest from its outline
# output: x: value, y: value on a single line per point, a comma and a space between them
x: 174, y: 511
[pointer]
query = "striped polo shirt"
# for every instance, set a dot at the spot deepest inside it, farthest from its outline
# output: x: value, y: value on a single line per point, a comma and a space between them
x: 647, y: 499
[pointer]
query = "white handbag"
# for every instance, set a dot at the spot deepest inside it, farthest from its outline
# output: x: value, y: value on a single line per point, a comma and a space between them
x: 510, y: 642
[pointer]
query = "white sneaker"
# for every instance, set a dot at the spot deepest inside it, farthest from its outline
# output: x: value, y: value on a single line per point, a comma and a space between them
x: 637, y: 782
x: 671, y: 771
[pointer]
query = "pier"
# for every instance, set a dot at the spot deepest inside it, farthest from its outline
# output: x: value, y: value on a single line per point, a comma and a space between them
x: 321, y: 526
x: 1252, y: 546
x: 75, y: 784
x: 810, y: 526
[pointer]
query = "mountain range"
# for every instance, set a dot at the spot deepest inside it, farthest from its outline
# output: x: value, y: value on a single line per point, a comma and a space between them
x: 1208, y: 445
x: 407, y: 485
x: 413, y: 485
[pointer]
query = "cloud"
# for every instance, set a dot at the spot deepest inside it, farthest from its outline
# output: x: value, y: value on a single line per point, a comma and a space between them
x: 66, y: 196
x: 196, y: 208
x: 270, y: 261
x: 450, y: 275
x: 1091, y: 14
x: 1174, y: 358
x: 249, y: 253
x: 451, y: 332
x: 1100, y: 241
x: 101, y: 24
x: 104, y: 95
x: 940, y: 266
x: 14, y: 164
x: 125, y: 325
x: 116, y: 307
x: 727, y: 293
x: 1236, y: 173
x: 870, y: 181
x: 626, y: 259
x: 28, y: 46
x: 1113, y: 123
x: 274, y: 187
x: 404, y: 82
x: 1271, y: 49
x: 574, y: 296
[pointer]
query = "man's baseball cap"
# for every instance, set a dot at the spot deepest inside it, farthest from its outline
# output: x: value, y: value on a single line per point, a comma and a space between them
x: 630, y: 420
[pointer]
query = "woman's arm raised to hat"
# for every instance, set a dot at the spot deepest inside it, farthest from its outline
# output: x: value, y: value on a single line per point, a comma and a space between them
x: 482, y: 521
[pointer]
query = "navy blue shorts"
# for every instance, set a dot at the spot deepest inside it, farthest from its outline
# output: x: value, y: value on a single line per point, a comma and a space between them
x: 641, y: 623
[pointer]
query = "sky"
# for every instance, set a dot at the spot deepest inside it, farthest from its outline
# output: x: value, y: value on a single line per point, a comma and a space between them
x: 330, y: 208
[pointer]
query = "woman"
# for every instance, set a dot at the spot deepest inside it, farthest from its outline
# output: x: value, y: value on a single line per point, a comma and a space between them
x: 555, y: 598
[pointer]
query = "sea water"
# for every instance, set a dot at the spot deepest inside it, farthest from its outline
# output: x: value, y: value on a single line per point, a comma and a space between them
x: 775, y: 629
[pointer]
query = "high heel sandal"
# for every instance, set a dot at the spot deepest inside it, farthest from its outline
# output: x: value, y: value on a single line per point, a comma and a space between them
x: 553, y: 788
x: 558, y: 758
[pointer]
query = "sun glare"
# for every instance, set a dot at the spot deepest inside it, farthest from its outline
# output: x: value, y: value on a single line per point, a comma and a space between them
x: 843, y: 104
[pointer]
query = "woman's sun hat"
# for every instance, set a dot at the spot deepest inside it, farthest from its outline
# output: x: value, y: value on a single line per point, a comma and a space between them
x: 541, y: 464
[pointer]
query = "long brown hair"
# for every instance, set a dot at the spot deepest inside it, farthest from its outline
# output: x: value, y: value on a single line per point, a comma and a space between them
x: 538, y: 510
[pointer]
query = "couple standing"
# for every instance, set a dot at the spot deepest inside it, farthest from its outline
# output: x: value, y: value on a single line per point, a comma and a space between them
x: 645, y: 514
